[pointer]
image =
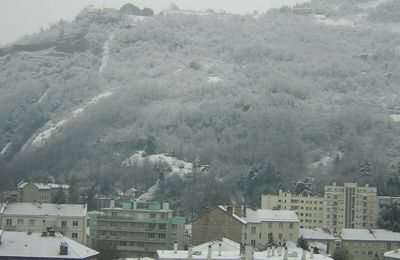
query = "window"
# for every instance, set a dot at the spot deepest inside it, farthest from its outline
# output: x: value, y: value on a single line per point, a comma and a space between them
x: 280, y: 236
x: 369, y: 252
x: 253, y: 230
x: 113, y: 233
x: 75, y: 235
x: 161, y: 226
x: 63, y: 223
x: 140, y: 244
x: 152, y: 215
x: 253, y: 243
x: 114, y: 214
x: 161, y: 236
x: 31, y: 222
x: 151, y: 235
x: 9, y: 222
x: 270, y: 225
x: 75, y: 223
x: 291, y: 225
x: 20, y: 221
x: 280, y: 225
x: 113, y: 224
x: 174, y: 226
x: 122, y: 243
x: 152, y: 226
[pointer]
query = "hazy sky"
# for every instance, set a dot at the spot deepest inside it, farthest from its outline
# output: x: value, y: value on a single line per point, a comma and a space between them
x: 19, y: 17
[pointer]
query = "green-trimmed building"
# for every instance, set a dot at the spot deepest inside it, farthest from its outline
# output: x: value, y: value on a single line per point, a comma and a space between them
x: 137, y: 229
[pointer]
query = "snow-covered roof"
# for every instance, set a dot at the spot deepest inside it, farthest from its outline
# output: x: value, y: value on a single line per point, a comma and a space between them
x: 44, y: 209
x: 226, y: 245
x: 34, y: 246
x: 44, y: 186
x: 293, y: 254
x: 394, y: 254
x: 265, y: 215
x: 369, y: 235
x: 316, y: 234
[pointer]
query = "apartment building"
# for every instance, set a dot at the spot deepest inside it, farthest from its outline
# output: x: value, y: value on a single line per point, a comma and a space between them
x: 240, y: 224
x: 67, y: 219
x: 350, y: 206
x: 368, y: 244
x: 309, y: 209
x: 40, y: 192
x: 137, y: 229
x: 38, y: 245
x: 347, y: 206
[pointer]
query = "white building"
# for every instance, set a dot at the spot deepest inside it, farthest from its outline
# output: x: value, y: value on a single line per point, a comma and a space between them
x: 67, y: 219
x: 392, y: 255
x: 27, y: 245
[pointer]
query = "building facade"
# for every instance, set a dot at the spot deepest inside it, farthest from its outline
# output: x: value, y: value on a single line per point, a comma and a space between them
x: 40, y: 192
x: 67, y: 219
x: 242, y: 225
x: 309, y: 209
x: 136, y: 229
x: 347, y: 206
x: 368, y: 244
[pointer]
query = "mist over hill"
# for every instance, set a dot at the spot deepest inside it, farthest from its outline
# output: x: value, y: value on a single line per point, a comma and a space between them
x: 293, y: 98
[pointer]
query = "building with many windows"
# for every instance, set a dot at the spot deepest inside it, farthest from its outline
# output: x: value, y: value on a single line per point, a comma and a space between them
x: 309, y: 209
x: 67, y: 219
x: 136, y: 229
x: 347, y: 206
x: 40, y: 192
x: 240, y: 224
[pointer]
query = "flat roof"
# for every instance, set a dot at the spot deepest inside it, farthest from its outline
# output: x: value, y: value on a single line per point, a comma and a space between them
x: 316, y: 234
x: 293, y: 254
x: 20, y: 244
x: 369, y: 235
x: 43, y: 209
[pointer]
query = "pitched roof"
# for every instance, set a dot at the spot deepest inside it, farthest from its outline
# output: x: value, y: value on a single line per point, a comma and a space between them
x: 44, y: 209
x: 316, y: 234
x: 266, y: 215
x: 394, y: 254
x: 369, y: 235
x: 226, y: 245
x: 20, y: 244
x: 44, y: 186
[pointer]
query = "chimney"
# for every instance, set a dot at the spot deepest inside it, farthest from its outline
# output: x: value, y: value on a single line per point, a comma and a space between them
x: 311, y: 252
x: 190, y: 251
x: 244, y: 210
x: 280, y: 249
x: 285, y: 254
x: 209, y: 251
x: 248, y: 252
x: 40, y: 205
x: 229, y: 210
x: 273, y: 251
x: 52, y: 232
x: 63, y: 248
x: 269, y: 251
x: 175, y: 247
x: 238, y: 210
x: 304, y: 255
x: 219, y: 249
x: 334, y: 183
x: 367, y: 185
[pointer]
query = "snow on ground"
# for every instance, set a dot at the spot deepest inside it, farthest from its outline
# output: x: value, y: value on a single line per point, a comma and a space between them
x: 213, y: 80
x: 44, y: 95
x: 178, y: 166
x: 50, y: 127
x: 149, y: 194
x: 372, y: 4
x: 327, y: 21
x: 5, y: 149
x: 106, y: 53
x: 323, y: 165
x: 135, y: 19
x: 395, y: 117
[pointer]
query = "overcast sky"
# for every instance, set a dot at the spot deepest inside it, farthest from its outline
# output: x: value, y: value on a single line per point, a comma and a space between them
x: 20, y: 17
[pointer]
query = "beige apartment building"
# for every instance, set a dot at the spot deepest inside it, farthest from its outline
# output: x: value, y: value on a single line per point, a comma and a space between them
x: 368, y: 244
x: 347, y: 206
x: 67, y: 219
x: 40, y: 192
x: 245, y: 225
x: 309, y: 209
x: 137, y: 229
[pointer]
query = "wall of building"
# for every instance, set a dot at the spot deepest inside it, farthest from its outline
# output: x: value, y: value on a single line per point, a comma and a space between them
x: 366, y: 250
x: 216, y: 223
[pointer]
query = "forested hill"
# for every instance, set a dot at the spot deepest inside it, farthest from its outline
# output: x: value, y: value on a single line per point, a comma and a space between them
x: 265, y: 101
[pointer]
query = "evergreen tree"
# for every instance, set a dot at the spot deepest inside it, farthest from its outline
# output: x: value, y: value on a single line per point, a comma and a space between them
x: 366, y: 169
x: 389, y: 218
x: 302, y: 243
x: 59, y: 197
